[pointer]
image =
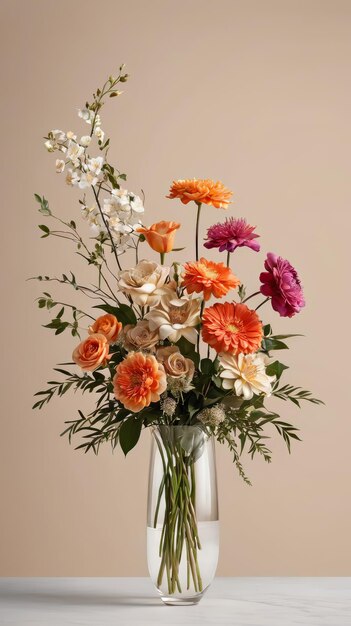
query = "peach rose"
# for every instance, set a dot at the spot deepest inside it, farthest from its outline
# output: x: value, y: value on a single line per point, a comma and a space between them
x: 92, y: 353
x: 107, y: 325
x: 139, y: 336
x: 175, y: 364
x: 160, y: 236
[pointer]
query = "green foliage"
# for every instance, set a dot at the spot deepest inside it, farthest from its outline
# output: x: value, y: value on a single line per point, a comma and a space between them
x: 188, y: 349
x: 129, y: 433
x: 123, y: 312
x: 44, y: 205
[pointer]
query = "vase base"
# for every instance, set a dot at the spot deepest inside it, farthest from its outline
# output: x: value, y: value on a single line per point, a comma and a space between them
x: 186, y: 601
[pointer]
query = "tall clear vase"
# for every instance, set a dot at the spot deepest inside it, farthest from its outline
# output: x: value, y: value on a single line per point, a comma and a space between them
x: 182, y: 517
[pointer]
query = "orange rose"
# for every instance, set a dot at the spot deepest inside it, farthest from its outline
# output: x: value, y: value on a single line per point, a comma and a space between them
x: 107, y: 325
x: 92, y: 352
x: 160, y: 236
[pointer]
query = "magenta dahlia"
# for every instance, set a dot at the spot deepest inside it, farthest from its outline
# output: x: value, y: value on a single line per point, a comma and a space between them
x: 281, y: 283
x: 232, y: 234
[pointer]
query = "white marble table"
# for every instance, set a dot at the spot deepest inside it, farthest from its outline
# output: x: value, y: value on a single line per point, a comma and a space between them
x: 134, y: 602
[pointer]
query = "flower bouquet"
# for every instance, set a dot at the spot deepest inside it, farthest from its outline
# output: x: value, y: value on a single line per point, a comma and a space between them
x: 177, y: 348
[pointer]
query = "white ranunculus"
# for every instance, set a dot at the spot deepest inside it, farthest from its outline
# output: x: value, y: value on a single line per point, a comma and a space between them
x: 85, y: 141
x: 176, y: 317
x: 246, y: 374
x: 145, y: 283
x: 60, y: 166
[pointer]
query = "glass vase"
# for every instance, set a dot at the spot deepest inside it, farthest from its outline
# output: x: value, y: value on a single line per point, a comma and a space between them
x: 182, y: 515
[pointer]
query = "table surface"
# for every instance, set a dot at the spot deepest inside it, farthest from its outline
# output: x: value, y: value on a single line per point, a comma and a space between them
x: 134, y: 601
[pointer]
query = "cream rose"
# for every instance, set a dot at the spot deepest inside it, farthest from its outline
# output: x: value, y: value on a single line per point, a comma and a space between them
x: 176, y: 317
x: 176, y: 365
x: 145, y: 283
x: 139, y: 337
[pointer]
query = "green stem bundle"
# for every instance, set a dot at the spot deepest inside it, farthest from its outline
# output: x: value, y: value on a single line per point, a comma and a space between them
x: 179, y: 530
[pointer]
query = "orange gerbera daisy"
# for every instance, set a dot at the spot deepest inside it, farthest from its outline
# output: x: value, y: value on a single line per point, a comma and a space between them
x: 231, y: 327
x: 200, y: 190
x: 212, y: 279
x: 139, y: 380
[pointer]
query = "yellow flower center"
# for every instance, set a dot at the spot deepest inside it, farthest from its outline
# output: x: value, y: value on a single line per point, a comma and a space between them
x: 212, y: 274
x: 232, y: 328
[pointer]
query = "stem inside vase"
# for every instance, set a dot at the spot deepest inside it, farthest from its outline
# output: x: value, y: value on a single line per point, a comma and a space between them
x: 179, y: 530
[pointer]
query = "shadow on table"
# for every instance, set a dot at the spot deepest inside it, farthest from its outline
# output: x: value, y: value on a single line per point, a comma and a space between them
x: 72, y: 598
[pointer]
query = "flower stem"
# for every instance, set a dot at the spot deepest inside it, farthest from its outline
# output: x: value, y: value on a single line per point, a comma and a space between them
x: 162, y: 257
x: 197, y: 230
x: 262, y: 303
x: 257, y: 293
x: 228, y: 258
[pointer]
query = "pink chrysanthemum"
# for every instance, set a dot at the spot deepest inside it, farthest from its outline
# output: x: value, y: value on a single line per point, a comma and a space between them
x: 232, y: 234
x: 281, y: 283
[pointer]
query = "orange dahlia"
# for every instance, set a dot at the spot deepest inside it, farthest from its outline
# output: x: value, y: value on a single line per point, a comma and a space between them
x: 231, y: 327
x: 212, y: 279
x: 204, y: 191
x: 139, y: 380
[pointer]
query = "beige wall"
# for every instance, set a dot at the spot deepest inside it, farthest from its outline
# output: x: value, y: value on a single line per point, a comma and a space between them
x: 257, y: 94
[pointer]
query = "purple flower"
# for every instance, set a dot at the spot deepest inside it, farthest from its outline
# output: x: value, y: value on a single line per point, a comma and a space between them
x: 281, y: 283
x: 233, y: 233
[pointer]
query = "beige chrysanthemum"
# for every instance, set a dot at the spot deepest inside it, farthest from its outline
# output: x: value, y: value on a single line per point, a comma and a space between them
x: 246, y: 374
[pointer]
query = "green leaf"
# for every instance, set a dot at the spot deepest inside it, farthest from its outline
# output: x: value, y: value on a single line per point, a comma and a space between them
x: 276, y: 369
x: 267, y: 330
x: 206, y: 366
x: 45, y: 229
x: 269, y: 343
x: 124, y: 313
x: 286, y: 336
x: 44, y: 205
x: 129, y: 433
x: 188, y: 349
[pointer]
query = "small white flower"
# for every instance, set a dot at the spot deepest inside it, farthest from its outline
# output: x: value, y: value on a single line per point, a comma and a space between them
x: 137, y: 204
x: 91, y: 215
x: 60, y: 166
x: 58, y: 135
x: 95, y: 165
x: 85, y: 114
x: 71, y: 135
x: 99, y: 133
x: 87, y: 179
x: 49, y: 146
x: 97, y: 120
x: 74, y: 151
x: 85, y: 141
x: 72, y: 178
